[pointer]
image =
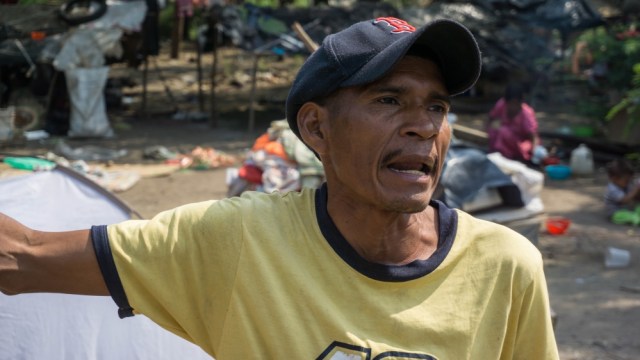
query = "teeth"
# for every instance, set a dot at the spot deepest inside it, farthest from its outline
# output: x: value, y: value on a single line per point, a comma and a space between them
x: 413, y: 172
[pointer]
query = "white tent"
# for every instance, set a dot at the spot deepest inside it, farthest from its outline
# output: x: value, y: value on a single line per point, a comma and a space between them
x: 68, y: 327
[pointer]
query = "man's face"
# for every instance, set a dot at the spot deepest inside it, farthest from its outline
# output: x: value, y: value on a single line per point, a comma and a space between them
x: 386, y: 141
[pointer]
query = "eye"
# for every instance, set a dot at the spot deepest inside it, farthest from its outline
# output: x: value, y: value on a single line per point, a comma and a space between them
x: 388, y: 100
x: 439, y: 108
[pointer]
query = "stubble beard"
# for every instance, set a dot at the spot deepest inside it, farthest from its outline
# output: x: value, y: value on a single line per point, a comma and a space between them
x: 406, y: 206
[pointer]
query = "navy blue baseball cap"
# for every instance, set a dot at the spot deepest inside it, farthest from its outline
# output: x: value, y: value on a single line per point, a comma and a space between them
x: 366, y: 51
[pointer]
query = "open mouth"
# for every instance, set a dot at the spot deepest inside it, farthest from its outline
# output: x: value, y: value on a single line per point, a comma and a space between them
x: 412, y: 168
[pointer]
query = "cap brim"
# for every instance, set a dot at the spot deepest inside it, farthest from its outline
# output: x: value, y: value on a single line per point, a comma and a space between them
x: 456, y: 48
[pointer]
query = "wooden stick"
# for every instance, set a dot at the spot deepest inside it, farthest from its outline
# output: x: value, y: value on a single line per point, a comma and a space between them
x: 306, y: 39
x: 252, y: 96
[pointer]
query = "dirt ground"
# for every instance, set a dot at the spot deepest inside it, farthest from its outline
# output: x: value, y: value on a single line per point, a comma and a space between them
x: 598, y: 309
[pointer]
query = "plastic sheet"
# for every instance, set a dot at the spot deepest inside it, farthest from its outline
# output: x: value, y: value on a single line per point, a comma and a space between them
x: 61, y: 326
x: 468, y: 171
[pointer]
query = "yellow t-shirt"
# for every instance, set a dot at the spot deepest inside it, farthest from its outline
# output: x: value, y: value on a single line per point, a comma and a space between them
x: 269, y: 276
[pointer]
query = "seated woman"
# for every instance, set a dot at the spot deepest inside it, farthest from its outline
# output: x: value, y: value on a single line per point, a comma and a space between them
x: 516, y: 134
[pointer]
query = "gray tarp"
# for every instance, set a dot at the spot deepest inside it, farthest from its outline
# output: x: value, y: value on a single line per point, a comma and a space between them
x: 468, y: 170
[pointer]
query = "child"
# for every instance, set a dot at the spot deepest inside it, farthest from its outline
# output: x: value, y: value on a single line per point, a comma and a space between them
x: 623, y: 191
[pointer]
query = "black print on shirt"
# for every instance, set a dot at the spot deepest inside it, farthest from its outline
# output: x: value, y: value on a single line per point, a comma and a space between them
x: 342, y: 351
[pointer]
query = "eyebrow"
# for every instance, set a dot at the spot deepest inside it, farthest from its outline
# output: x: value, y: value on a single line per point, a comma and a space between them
x: 386, y: 88
x: 439, y: 96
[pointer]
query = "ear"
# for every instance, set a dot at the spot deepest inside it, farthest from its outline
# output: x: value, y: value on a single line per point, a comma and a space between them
x: 312, y: 123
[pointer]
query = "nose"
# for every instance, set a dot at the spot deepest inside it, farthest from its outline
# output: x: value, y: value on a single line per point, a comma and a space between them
x: 424, y: 124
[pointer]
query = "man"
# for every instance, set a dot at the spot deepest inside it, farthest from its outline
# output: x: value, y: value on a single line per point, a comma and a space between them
x: 367, y: 266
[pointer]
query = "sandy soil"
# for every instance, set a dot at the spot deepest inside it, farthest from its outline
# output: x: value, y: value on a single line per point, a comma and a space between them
x: 598, y: 309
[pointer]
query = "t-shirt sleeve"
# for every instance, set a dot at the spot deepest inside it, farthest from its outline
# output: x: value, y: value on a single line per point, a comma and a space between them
x: 517, y: 286
x: 535, y: 338
x: 100, y: 240
x: 178, y: 267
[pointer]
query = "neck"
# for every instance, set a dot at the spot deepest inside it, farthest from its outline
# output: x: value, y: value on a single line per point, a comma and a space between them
x: 387, y: 238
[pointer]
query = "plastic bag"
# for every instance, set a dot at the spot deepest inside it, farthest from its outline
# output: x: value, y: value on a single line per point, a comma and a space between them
x: 86, y: 93
x: 7, y: 116
x: 79, y: 50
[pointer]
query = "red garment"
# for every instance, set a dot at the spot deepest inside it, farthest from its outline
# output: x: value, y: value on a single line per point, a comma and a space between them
x: 185, y: 7
x: 271, y: 147
x: 251, y: 173
x: 513, y: 137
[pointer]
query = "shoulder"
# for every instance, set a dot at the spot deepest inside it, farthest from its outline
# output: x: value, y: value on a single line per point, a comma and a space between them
x: 528, y: 110
x: 270, y: 204
x: 214, y: 227
x: 610, y: 186
x: 500, y: 104
x: 498, y: 243
x: 613, y: 188
x: 225, y: 214
x: 267, y: 208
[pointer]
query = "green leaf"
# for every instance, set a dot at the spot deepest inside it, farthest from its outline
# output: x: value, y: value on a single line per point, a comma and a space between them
x: 617, y: 108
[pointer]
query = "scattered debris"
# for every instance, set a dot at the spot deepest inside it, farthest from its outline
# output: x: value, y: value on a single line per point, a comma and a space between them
x: 195, y: 116
x: 631, y: 289
x: 29, y: 163
x: 159, y: 153
x: 36, y: 135
x: 88, y: 152
x: 278, y: 161
x: 615, y: 258
x: 203, y: 158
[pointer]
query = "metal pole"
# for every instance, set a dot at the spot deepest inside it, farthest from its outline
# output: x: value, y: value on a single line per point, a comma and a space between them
x: 145, y: 72
x: 177, y: 31
x: 213, y: 24
x: 252, y: 97
x: 199, y: 68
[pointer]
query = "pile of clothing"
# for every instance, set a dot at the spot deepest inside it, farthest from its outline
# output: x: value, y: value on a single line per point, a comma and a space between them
x: 277, y: 161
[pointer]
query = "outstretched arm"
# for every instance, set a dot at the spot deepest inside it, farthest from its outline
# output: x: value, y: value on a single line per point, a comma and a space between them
x: 37, y: 261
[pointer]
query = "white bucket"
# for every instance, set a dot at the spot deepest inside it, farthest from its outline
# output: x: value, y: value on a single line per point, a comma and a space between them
x: 581, y: 160
x: 616, y: 258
